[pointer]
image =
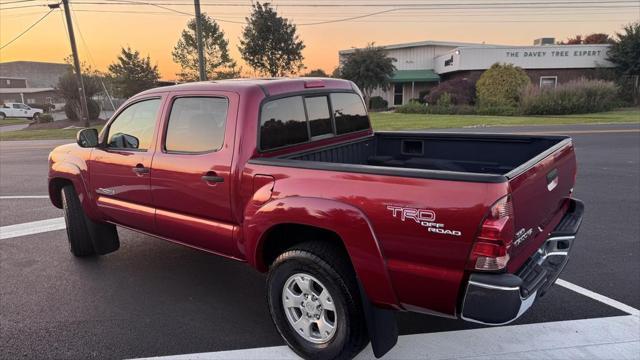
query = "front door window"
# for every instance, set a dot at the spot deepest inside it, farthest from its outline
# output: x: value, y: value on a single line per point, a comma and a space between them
x: 397, y: 94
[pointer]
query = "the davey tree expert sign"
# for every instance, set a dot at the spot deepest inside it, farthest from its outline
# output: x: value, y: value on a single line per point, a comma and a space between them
x: 553, y: 53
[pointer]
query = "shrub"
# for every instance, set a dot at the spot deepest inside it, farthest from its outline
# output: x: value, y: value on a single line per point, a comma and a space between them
x: 412, y: 107
x: 461, y: 92
x: 500, y: 87
x: 44, y: 118
x: 504, y: 110
x: 574, y: 97
x: 378, y: 103
x: 72, y: 110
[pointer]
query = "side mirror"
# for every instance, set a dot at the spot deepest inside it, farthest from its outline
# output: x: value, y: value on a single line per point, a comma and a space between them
x: 87, y: 138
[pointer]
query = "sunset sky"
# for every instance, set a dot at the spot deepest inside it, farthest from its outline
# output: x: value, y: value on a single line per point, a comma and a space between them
x: 103, y: 26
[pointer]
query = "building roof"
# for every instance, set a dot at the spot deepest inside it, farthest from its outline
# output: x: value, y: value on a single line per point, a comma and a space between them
x: 418, y: 44
x: 24, y: 90
x: 12, y: 78
x: 414, y: 76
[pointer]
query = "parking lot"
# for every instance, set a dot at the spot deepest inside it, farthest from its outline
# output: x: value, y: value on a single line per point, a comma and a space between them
x: 153, y: 298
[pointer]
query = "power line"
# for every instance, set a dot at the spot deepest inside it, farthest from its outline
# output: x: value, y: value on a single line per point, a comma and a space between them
x: 15, y: 2
x: 86, y: 47
x: 26, y: 30
x: 410, y: 5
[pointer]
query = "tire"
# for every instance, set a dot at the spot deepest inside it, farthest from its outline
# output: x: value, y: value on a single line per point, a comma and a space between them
x: 2, y: 116
x: 35, y: 116
x: 86, y: 237
x: 325, y: 268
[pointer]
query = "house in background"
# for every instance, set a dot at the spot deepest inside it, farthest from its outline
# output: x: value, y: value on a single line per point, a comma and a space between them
x: 422, y: 65
x: 31, y: 82
x: 17, y: 90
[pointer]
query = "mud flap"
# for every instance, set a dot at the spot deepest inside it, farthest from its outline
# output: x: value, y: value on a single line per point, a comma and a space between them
x: 381, y: 324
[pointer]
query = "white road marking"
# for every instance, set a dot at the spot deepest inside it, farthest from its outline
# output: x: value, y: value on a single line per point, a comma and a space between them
x: 611, y: 337
x: 601, y: 298
x: 24, y: 197
x: 30, y: 228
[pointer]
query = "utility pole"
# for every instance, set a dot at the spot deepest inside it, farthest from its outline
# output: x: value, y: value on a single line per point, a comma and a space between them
x: 201, y: 70
x: 76, y: 64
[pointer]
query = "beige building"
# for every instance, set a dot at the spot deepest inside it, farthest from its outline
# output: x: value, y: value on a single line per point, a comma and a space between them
x: 423, y: 65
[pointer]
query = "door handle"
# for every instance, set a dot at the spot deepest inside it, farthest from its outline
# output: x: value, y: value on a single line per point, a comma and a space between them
x: 212, y: 177
x: 140, y: 169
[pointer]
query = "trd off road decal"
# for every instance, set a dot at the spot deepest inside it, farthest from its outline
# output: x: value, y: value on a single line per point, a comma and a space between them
x: 426, y: 218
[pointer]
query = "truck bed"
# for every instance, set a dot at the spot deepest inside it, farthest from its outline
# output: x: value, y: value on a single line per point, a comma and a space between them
x: 455, y: 156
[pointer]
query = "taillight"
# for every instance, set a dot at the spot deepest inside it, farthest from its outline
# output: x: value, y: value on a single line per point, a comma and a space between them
x: 491, y: 248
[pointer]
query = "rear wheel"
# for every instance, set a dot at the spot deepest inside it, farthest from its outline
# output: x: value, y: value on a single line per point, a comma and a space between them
x: 315, y: 302
x: 35, y: 116
x: 2, y: 116
x: 86, y: 237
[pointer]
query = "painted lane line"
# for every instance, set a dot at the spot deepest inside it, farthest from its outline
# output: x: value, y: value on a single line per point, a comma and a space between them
x: 10, y: 197
x: 619, y: 336
x: 30, y: 228
x: 601, y: 298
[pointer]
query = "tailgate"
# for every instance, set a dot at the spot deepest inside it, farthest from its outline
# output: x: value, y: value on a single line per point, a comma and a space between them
x: 539, y: 190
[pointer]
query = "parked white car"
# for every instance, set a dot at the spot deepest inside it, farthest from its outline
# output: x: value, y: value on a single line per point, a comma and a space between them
x: 19, y: 110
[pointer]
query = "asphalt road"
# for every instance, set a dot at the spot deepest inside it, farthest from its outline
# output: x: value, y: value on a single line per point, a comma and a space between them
x: 156, y: 298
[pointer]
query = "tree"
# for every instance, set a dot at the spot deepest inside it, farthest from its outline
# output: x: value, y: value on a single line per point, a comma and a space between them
x: 577, y: 40
x: 500, y: 86
x: 369, y: 68
x: 68, y: 88
x: 625, y: 55
x: 132, y: 73
x: 316, y: 73
x: 597, y: 38
x: 270, y: 44
x: 218, y: 62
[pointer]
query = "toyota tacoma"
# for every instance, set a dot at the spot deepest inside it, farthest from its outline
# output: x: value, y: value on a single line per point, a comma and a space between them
x: 351, y: 225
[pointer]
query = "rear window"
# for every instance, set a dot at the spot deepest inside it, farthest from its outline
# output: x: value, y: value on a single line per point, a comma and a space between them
x: 319, y: 115
x: 349, y: 113
x: 297, y: 119
x: 283, y: 123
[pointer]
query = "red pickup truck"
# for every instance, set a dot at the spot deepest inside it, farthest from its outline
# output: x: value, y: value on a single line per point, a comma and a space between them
x: 351, y: 224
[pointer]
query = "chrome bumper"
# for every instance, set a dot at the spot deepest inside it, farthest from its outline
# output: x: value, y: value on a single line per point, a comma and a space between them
x: 498, y: 299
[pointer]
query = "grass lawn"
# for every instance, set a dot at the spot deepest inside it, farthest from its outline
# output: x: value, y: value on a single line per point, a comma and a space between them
x: 13, y: 121
x: 46, y: 134
x: 395, y: 121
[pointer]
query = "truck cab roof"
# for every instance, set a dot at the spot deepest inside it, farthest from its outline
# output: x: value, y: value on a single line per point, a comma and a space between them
x: 270, y: 86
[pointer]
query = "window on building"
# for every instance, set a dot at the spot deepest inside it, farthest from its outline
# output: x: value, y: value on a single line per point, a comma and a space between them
x: 319, y: 116
x: 133, y: 127
x: 31, y: 101
x: 283, y: 122
x: 349, y: 113
x: 548, y: 81
x: 8, y: 82
x: 196, y: 124
x: 397, y: 94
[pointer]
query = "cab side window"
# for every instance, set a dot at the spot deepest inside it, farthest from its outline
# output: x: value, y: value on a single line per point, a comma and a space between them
x: 133, y: 127
x: 196, y: 125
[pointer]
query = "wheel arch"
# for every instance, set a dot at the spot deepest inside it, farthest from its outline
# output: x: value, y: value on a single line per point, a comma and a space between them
x: 268, y: 231
x: 66, y: 173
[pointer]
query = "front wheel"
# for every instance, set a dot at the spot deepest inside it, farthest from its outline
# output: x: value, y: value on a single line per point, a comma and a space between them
x: 86, y: 237
x: 315, y: 303
x: 2, y: 116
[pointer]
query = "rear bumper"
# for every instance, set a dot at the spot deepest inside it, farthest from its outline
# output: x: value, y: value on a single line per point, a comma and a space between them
x: 498, y: 299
